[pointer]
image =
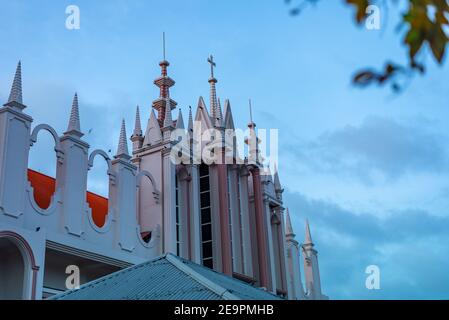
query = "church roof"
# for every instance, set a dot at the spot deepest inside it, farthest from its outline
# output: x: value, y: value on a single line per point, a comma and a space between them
x: 167, y: 278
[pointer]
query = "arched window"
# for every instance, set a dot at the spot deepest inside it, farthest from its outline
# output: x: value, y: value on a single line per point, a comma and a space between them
x: 98, y: 186
x: 12, y: 271
x: 42, y: 164
x: 147, y: 199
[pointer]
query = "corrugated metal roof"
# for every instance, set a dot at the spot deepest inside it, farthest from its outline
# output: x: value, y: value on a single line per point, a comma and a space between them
x: 166, y: 278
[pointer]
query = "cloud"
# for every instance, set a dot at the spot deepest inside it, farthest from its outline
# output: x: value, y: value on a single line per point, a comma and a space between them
x: 380, y: 149
x: 409, y: 246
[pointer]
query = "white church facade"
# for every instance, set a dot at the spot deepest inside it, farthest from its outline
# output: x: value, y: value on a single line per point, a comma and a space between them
x: 228, y: 217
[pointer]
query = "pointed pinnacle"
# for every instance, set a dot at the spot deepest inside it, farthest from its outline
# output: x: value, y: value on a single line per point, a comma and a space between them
x: 137, y: 125
x: 288, y: 225
x: 308, y: 239
x: 122, y: 150
x: 219, y: 120
x: 168, y: 121
x: 15, y: 96
x: 190, y: 124
x: 277, y: 182
x: 74, y: 127
x: 180, y: 121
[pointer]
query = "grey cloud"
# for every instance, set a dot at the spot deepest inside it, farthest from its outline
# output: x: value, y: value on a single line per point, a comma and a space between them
x: 378, y: 145
x: 410, y: 247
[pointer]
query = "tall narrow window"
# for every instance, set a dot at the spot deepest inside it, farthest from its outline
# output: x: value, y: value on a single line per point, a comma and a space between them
x: 178, y: 220
x: 230, y: 213
x: 239, y: 206
x: 206, y: 218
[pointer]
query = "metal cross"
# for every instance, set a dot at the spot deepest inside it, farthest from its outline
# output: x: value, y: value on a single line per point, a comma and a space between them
x: 212, y: 65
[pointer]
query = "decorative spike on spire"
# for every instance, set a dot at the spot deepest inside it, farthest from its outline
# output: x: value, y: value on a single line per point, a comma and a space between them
x: 163, y: 45
x: 251, y: 122
x: 308, y: 239
x: 122, y: 150
x: 137, y: 126
x: 190, y: 124
x: 228, y: 118
x: 277, y: 182
x: 74, y: 127
x: 288, y: 225
x: 15, y: 97
x: 219, y: 115
x: 168, y: 120
x: 180, y: 121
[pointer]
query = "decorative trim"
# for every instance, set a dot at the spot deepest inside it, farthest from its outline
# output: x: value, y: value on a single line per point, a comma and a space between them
x: 55, y: 198
x: 87, y: 255
x: 49, y: 129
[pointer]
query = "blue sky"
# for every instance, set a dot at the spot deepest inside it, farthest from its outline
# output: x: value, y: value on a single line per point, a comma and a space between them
x: 369, y: 168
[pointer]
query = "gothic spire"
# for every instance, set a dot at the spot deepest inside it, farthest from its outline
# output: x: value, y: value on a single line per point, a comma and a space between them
x: 122, y: 150
x: 74, y: 127
x: 15, y: 96
x: 137, y: 126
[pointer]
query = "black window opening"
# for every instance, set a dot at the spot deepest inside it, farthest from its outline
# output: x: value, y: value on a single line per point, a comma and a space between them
x: 206, y: 218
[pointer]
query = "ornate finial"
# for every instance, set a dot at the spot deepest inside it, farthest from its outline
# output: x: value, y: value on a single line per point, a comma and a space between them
x: 74, y: 127
x: 212, y: 65
x: 122, y: 150
x: 164, y: 82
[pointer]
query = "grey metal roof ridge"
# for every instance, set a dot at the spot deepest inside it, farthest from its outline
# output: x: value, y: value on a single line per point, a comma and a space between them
x: 93, y: 283
x: 217, y: 289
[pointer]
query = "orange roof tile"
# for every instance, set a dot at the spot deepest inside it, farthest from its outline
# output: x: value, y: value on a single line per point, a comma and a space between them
x: 44, y: 188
